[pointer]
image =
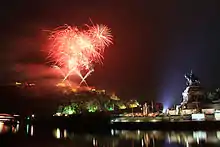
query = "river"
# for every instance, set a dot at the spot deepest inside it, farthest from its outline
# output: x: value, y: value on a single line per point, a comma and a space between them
x: 37, y: 136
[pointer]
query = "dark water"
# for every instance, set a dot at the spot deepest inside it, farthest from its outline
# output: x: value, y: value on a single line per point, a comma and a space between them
x: 35, y: 136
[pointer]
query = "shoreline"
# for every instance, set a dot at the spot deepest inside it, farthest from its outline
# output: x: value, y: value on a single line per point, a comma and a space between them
x: 183, y: 125
x: 104, y: 123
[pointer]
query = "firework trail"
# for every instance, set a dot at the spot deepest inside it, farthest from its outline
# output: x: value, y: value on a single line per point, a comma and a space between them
x: 76, y: 50
x: 86, y: 75
x: 61, y: 72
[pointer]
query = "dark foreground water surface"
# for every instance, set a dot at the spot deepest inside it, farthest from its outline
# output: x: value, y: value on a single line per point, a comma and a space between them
x: 38, y: 136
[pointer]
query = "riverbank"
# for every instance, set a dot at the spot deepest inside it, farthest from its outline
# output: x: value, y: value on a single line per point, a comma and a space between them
x: 102, y: 123
x: 181, y: 125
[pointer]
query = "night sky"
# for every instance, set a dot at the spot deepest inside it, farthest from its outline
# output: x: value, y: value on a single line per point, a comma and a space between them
x: 155, y: 44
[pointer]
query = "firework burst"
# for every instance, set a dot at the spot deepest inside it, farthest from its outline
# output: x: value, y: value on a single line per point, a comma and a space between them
x: 73, y: 51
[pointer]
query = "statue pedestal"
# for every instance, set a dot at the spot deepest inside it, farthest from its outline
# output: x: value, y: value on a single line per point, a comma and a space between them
x: 193, y: 96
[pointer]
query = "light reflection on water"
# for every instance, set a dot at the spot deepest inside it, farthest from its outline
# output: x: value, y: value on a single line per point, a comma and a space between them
x: 29, y: 129
x: 8, y: 128
x: 58, y: 133
x: 115, y: 138
x: 144, y: 138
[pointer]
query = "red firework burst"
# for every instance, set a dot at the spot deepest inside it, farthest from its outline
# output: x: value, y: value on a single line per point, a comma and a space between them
x: 74, y: 50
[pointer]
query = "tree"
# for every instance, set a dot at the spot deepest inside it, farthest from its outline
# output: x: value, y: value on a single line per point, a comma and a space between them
x: 60, y: 109
x: 109, y: 105
x: 75, y: 108
x: 67, y: 110
x: 217, y: 93
x: 214, y: 95
x: 133, y: 104
x: 121, y: 105
x: 92, y: 106
x: 210, y: 96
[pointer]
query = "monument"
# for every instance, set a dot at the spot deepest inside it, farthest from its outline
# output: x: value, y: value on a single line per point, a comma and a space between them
x: 194, y: 94
x: 195, y: 100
